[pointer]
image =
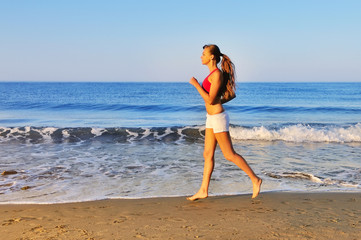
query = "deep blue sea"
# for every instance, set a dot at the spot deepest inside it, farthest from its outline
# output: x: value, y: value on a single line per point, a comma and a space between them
x: 70, y: 142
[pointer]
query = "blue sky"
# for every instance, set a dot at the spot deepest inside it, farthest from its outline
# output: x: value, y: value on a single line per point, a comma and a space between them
x: 86, y: 40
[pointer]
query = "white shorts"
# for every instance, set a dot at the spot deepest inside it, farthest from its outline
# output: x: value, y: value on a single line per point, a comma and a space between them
x: 219, y: 122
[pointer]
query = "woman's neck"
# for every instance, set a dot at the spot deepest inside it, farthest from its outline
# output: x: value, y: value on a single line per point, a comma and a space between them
x: 212, y: 65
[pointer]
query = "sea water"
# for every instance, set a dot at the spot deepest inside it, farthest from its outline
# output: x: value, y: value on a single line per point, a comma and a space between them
x: 71, y: 142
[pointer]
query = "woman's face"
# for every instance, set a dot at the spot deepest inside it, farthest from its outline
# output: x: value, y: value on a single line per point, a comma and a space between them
x: 206, y: 56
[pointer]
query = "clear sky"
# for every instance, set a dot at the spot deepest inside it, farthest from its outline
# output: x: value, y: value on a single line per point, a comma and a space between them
x: 143, y: 40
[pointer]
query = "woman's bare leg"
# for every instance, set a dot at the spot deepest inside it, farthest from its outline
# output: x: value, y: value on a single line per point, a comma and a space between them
x: 210, y: 144
x: 225, y: 143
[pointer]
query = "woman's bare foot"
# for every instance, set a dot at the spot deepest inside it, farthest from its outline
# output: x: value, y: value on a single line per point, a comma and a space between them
x: 256, y: 187
x: 198, y: 195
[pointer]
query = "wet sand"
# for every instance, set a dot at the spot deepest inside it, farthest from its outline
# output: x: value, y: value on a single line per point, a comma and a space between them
x: 270, y: 216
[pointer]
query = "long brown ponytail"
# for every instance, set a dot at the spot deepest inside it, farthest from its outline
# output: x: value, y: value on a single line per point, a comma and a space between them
x: 228, y: 88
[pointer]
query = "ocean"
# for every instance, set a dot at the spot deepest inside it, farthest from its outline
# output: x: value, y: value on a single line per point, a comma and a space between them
x: 74, y: 142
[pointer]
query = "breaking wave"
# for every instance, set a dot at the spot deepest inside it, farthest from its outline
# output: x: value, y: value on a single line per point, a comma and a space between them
x: 292, y: 133
x: 300, y: 133
x: 60, y: 135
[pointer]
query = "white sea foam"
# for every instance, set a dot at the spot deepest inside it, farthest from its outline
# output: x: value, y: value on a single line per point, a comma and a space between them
x: 132, y: 134
x: 46, y: 132
x: 299, y: 133
x: 65, y: 133
x: 146, y: 133
x: 97, y: 131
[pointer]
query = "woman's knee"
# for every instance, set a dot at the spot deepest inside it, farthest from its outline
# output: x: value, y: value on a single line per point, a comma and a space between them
x: 208, y: 155
x: 231, y: 156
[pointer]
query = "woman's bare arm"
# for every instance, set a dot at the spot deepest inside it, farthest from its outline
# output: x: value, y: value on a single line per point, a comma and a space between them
x: 211, y: 97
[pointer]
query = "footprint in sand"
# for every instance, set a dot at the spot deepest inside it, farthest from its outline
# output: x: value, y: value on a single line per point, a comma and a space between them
x: 173, y: 219
x: 62, y: 229
x: 11, y: 221
x: 121, y: 219
x: 140, y: 235
x: 333, y: 220
x: 307, y: 201
x: 38, y: 229
x: 16, y: 220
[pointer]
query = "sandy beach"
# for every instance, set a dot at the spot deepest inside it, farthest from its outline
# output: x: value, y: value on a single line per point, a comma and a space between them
x: 270, y: 216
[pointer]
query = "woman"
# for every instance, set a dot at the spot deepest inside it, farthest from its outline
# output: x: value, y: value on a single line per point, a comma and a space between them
x: 218, y: 88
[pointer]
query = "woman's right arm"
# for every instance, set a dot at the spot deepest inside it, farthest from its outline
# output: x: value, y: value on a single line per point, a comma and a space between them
x: 206, y: 97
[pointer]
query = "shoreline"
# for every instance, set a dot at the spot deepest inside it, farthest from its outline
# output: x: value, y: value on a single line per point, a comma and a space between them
x: 180, y: 197
x: 272, y: 215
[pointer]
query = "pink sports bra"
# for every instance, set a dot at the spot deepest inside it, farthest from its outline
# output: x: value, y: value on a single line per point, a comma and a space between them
x: 206, y: 85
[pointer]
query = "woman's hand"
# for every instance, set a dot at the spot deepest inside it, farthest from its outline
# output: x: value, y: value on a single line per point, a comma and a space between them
x: 193, y: 81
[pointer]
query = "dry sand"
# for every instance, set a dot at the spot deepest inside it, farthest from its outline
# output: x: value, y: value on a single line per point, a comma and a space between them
x: 270, y: 216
